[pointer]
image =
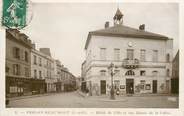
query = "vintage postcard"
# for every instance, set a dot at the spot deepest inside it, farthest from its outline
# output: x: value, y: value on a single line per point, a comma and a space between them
x: 91, y: 58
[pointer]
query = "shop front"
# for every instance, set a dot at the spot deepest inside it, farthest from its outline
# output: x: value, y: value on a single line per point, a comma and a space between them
x: 17, y: 86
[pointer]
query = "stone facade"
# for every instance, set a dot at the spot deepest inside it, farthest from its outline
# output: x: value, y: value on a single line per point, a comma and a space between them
x: 142, y: 60
x: 18, y: 63
x: 42, y: 67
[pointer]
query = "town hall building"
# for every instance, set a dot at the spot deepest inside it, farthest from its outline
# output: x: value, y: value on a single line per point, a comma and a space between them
x: 142, y: 60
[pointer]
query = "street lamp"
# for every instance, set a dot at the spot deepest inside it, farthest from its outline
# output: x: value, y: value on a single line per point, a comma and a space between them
x: 111, y: 69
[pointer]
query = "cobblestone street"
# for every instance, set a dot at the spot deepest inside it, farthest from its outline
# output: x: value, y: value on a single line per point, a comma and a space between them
x: 75, y: 100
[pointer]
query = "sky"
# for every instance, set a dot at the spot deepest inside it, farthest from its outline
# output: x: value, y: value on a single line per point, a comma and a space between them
x: 63, y: 27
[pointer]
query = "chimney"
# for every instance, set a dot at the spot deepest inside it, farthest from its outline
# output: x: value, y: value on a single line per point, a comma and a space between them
x: 142, y: 27
x: 33, y: 46
x: 46, y: 51
x: 106, y: 24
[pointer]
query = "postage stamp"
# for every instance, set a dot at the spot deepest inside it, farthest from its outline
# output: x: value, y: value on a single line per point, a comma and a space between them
x: 15, y: 13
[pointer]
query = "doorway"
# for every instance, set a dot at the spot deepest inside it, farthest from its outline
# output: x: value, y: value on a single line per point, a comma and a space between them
x: 129, y: 86
x: 103, y: 86
x: 167, y: 86
x: 175, y: 85
x: 154, y: 86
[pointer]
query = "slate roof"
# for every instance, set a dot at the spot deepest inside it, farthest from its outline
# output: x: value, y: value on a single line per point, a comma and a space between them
x: 124, y: 31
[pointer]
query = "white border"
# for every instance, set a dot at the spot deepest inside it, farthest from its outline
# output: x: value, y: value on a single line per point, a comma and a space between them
x: 173, y: 112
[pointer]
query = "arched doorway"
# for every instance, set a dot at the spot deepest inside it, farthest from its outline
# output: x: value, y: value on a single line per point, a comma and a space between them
x: 129, y: 73
x: 129, y: 82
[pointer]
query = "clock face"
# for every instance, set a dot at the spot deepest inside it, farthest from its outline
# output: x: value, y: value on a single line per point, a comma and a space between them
x: 130, y: 44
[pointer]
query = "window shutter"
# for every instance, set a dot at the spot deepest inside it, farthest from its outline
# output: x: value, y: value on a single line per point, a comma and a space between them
x: 21, y: 54
x: 13, y: 69
x: 19, y: 72
x: 14, y: 52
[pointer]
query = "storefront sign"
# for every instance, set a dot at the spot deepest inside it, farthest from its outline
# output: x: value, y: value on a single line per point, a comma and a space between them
x: 122, y: 86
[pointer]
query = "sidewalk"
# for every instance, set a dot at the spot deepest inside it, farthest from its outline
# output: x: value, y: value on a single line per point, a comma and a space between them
x: 130, y: 95
x: 31, y: 96
x: 123, y: 97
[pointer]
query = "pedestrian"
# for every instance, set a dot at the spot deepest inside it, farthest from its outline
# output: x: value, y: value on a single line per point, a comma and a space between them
x: 108, y: 90
x: 117, y: 91
x: 87, y: 92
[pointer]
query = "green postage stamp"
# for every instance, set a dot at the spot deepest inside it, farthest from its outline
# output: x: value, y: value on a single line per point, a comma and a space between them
x: 14, y: 13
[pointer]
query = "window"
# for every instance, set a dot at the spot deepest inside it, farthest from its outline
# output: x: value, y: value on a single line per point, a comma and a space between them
x: 155, y: 55
x: 47, y: 63
x: 16, y: 52
x: 116, y: 84
x: 7, y: 69
x: 142, y: 55
x: 103, y: 53
x: 148, y: 86
x: 40, y: 74
x: 130, y: 72
x: 16, y: 69
x: 130, y: 54
x: 40, y: 61
x: 89, y: 55
x: 26, y: 72
x: 116, y: 54
x: 117, y: 72
x: 142, y: 72
x: 47, y: 74
x: 167, y: 73
x: 26, y: 56
x: 102, y: 72
x: 168, y: 58
x: 142, y: 83
x: 35, y: 73
x: 155, y: 73
x: 35, y: 60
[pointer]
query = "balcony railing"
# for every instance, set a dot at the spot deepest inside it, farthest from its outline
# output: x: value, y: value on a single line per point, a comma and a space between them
x: 130, y: 64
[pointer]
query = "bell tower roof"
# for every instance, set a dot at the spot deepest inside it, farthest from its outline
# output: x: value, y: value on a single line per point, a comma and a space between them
x: 118, y: 17
x: 118, y: 14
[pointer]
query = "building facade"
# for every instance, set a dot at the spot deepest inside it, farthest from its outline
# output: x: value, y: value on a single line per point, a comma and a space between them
x: 42, y: 68
x: 38, y: 69
x: 18, y: 64
x: 48, y: 64
x: 68, y: 79
x: 142, y: 59
x: 83, y: 76
x: 175, y: 75
x: 57, y: 72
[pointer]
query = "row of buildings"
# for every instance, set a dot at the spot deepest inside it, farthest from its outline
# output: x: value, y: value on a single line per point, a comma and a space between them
x: 142, y: 60
x: 31, y: 71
